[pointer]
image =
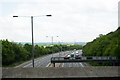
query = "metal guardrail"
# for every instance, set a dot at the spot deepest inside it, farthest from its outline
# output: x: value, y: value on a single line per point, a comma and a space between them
x: 83, y: 59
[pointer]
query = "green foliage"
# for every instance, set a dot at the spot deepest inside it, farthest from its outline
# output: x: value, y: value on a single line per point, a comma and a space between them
x: 8, y: 51
x: 13, y: 53
x: 104, y: 45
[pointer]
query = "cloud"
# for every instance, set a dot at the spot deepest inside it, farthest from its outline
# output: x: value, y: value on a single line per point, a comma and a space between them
x: 72, y: 20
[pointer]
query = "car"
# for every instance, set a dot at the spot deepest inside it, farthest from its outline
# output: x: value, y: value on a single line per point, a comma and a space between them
x: 76, y: 52
x: 72, y: 55
x: 77, y: 56
x: 67, y: 56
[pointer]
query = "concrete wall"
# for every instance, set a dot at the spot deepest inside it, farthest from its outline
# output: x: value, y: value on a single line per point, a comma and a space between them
x: 58, y: 72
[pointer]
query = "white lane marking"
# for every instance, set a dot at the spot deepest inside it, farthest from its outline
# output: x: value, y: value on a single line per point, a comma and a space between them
x: 27, y: 65
x: 77, y: 65
x: 22, y: 65
x: 37, y: 60
x: 62, y: 65
x: 48, y: 65
x: 81, y: 65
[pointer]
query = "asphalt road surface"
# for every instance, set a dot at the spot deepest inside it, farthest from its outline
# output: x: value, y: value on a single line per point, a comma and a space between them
x: 80, y: 64
x: 44, y: 61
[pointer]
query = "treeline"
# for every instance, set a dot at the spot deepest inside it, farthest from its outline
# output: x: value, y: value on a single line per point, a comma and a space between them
x: 104, y: 45
x: 14, y: 53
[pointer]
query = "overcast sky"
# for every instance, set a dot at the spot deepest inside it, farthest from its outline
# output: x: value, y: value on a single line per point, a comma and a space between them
x: 72, y: 20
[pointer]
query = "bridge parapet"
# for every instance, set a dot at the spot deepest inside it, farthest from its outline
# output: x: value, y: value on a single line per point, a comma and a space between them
x: 60, y: 72
x: 113, y: 60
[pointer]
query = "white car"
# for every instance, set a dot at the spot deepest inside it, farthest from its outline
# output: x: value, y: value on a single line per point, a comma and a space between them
x: 76, y: 52
x: 77, y: 56
x: 67, y: 56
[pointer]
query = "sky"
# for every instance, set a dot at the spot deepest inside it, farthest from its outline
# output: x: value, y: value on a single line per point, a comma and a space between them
x: 71, y: 20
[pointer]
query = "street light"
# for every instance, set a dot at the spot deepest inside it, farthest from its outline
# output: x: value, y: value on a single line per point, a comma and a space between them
x: 34, y: 16
x: 15, y: 16
x: 59, y: 45
x: 52, y: 41
x: 49, y: 15
x: 32, y: 33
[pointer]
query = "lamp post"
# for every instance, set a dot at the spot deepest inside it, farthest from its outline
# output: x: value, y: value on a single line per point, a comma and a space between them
x: 32, y: 33
x: 52, y: 42
x: 60, y: 46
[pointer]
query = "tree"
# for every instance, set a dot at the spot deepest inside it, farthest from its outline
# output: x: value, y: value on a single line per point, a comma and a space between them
x: 104, y: 45
x: 8, y: 55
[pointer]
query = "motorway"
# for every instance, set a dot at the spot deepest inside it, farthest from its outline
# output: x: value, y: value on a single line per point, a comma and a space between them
x: 44, y: 61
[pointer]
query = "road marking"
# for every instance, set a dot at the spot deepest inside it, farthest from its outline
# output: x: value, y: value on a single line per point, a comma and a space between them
x: 62, y: 65
x: 37, y: 61
x: 48, y: 64
x: 81, y: 65
x: 21, y: 65
x: 27, y: 65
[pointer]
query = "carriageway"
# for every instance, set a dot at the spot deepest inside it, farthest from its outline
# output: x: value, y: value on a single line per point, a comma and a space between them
x: 66, y: 72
